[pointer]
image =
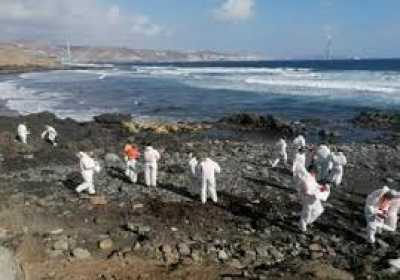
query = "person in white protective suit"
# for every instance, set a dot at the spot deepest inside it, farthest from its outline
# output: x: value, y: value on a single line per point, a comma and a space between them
x: 193, y: 164
x: 50, y: 134
x: 299, y: 142
x: 299, y: 162
x: 281, y: 153
x: 338, y: 162
x: 88, y: 167
x: 311, y: 195
x: 381, y: 209
x: 323, y: 162
x: 22, y: 132
x: 207, y: 170
x: 151, y: 158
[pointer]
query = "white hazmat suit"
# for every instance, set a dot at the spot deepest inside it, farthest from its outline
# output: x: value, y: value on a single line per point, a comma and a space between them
x: 151, y: 158
x: 131, y: 170
x: 280, y: 149
x: 22, y: 132
x: 299, y: 163
x: 88, y: 166
x: 323, y: 162
x: 338, y: 162
x: 193, y: 166
x: 51, y: 134
x: 381, y: 215
x: 207, y: 169
x: 311, y: 195
x: 299, y: 142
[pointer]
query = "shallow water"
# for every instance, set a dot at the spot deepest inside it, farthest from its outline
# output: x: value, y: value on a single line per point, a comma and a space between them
x: 327, y: 90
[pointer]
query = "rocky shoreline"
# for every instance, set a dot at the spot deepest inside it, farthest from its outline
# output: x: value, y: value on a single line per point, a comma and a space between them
x: 131, y: 232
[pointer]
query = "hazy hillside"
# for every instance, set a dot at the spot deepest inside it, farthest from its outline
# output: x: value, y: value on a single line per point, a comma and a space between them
x: 24, y: 54
x: 18, y: 55
x: 87, y: 54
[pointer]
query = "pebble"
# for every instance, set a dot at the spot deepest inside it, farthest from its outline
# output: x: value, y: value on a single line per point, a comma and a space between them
x: 222, y: 255
x: 57, y: 231
x: 61, y: 245
x: 315, y: 247
x: 106, y: 244
x: 184, y: 249
x: 81, y: 254
x: 98, y: 200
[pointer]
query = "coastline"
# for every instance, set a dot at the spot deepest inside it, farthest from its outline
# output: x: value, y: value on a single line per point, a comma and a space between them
x: 5, y: 69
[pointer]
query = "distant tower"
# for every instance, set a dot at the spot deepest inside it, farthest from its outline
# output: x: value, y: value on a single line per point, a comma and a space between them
x: 69, y: 58
x: 328, y: 47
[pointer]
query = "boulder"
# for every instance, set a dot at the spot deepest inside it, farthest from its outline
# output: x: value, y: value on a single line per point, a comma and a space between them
x: 73, y: 179
x: 246, y: 119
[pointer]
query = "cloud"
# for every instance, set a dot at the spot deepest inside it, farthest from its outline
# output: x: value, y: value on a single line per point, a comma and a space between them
x: 235, y: 10
x: 82, y: 21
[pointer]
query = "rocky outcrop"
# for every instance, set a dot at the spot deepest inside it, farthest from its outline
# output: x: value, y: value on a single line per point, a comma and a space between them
x: 255, y: 121
x: 133, y: 127
x: 378, y: 119
x: 322, y: 271
x: 112, y: 119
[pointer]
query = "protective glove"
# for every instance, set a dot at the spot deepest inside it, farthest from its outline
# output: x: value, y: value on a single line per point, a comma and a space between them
x: 323, y: 188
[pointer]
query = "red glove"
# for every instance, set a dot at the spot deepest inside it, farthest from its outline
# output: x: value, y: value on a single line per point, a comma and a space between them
x: 323, y: 188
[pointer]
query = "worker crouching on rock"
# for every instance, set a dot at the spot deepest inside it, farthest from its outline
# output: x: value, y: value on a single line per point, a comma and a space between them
x: 381, y: 209
x: 50, y: 135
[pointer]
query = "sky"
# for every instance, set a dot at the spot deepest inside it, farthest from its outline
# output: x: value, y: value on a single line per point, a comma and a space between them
x: 278, y: 29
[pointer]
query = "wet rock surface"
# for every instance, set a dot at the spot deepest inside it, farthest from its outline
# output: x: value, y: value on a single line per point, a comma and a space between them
x: 267, y: 123
x: 251, y: 233
x: 378, y: 119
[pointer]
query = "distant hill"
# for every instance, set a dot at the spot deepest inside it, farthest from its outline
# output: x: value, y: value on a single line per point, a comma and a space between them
x: 97, y: 54
x: 13, y: 55
x: 34, y: 54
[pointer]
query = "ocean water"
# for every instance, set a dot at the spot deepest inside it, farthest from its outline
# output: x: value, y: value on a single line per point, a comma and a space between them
x: 329, y: 90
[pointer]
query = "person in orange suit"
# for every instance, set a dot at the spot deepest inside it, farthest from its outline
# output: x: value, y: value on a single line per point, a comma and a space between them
x: 131, y: 155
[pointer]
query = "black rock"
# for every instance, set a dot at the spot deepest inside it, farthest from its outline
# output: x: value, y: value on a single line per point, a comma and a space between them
x: 246, y: 119
x: 112, y: 119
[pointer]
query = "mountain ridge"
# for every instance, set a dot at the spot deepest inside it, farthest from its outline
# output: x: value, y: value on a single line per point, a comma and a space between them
x: 23, y: 54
